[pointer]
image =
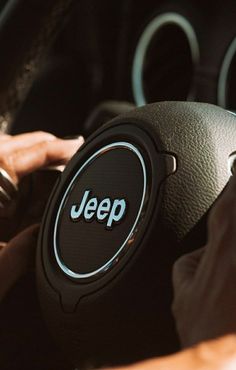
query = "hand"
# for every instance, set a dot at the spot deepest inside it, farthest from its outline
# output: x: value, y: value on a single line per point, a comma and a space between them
x: 205, y: 281
x: 217, y: 354
x: 25, y: 153
x: 20, y: 155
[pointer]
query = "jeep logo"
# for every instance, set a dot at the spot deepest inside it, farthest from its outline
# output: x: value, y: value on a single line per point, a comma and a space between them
x: 105, y: 210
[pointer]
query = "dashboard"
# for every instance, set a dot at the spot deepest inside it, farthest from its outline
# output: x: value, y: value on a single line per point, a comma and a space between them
x: 139, y: 52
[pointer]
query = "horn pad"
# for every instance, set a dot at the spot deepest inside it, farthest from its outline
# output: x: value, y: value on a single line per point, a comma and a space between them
x: 100, y: 211
x: 116, y: 221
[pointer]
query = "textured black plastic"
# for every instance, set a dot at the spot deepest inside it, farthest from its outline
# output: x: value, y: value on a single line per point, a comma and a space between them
x: 126, y: 315
x: 202, y: 136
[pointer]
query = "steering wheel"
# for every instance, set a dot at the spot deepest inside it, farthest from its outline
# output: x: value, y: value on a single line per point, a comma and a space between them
x: 132, y: 200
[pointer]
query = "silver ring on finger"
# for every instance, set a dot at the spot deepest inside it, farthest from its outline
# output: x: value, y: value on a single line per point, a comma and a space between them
x: 8, y: 188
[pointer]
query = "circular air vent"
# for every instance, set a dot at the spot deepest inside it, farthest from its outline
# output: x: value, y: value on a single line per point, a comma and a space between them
x: 227, y: 79
x: 165, y: 58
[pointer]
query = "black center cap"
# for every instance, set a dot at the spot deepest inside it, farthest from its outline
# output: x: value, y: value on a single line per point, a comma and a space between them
x: 100, y: 211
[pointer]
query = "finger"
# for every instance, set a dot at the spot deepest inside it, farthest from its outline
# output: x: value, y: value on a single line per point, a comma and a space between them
x: 4, y: 137
x: 12, y: 143
x: 44, y: 154
x: 221, y: 220
x: 2, y: 245
x: 217, y: 354
x: 185, y: 268
x: 16, y: 257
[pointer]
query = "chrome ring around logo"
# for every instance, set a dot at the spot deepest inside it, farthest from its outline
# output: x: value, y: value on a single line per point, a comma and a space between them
x: 121, y: 251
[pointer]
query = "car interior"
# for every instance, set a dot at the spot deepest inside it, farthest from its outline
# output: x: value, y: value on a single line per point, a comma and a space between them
x: 152, y: 88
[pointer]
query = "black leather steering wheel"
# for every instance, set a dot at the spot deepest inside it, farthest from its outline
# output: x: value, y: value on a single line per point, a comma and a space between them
x: 131, y: 201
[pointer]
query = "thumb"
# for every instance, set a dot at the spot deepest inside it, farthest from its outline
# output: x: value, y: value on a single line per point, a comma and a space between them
x: 185, y: 267
x: 16, y: 256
